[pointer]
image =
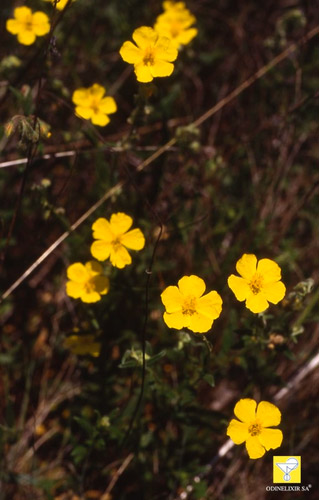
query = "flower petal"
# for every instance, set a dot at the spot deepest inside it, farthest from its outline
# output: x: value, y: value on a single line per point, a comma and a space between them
x: 274, y: 292
x: 143, y: 73
x: 192, y: 285
x: 144, y: 36
x: 101, y: 250
x: 84, y: 112
x: 245, y: 410
x: 165, y: 50
x: 108, y: 105
x: 120, y: 223
x: 199, y: 323
x: 246, y: 265
x: 99, y: 118
x: 237, y: 431
x: 120, y: 257
x: 96, y: 91
x: 161, y: 68
x: 268, y: 414
x: 74, y: 290
x: 270, y: 438
x: 102, y: 230
x: 26, y: 37
x: 90, y: 297
x: 130, y: 53
x: 23, y: 14
x: 93, y: 268
x: 269, y: 270
x: 174, y: 320
x: 13, y: 26
x: 133, y: 239
x: 239, y: 286
x: 254, y: 447
x: 210, y: 305
x: 186, y: 36
x: 40, y: 23
x: 80, y: 96
x: 102, y: 284
x: 77, y: 272
x: 172, y: 299
x: 257, y: 303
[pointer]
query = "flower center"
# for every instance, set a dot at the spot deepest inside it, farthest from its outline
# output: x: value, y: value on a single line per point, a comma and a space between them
x: 148, y: 58
x: 116, y: 243
x: 255, y: 429
x: 189, y: 306
x: 256, y: 283
x: 89, y: 286
x: 95, y: 104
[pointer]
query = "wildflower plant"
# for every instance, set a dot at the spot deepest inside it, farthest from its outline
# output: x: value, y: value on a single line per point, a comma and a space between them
x: 86, y: 282
x: 114, y: 238
x: 92, y: 104
x: 152, y: 56
x: 254, y: 427
x: 187, y: 306
x: 176, y: 23
x: 259, y: 283
x: 27, y: 25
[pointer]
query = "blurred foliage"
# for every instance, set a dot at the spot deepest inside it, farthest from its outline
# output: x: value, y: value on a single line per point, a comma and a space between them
x: 74, y: 426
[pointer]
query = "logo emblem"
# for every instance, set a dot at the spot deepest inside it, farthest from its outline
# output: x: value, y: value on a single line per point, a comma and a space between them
x: 287, y: 469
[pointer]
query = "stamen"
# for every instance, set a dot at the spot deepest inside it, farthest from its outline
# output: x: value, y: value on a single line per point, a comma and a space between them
x: 255, y: 429
x: 189, y: 306
x: 256, y: 283
x: 148, y: 58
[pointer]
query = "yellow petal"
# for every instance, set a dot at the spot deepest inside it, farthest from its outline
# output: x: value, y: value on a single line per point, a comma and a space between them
x: 144, y: 36
x: 120, y: 257
x: 74, y: 290
x: 108, y: 105
x: 96, y: 91
x: 174, y: 320
x: 90, y: 297
x: 237, y: 431
x: 40, y: 23
x: 268, y: 414
x: 26, y: 37
x: 101, y: 250
x: 23, y: 14
x: 102, y: 230
x: 239, y: 286
x: 269, y: 270
x: 133, y: 239
x: 143, y: 73
x: 270, y: 438
x: 100, y: 119
x: 257, y: 303
x: 120, y: 223
x: 93, y: 268
x: 80, y: 96
x: 161, y: 68
x: 102, y: 284
x: 165, y: 50
x: 172, y: 299
x: 246, y: 265
x: 186, y: 36
x: 254, y: 447
x: 77, y: 272
x: 210, y: 305
x: 274, y: 292
x: 192, y: 286
x: 245, y: 410
x: 199, y: 323
x: 130, y: 53
x: 13, y: 26
x: 84, y: 112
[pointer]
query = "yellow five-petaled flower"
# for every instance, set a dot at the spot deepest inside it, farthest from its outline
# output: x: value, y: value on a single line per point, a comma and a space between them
x: 152, y: 55
x: 259, y: 283
x: 176, y: 22
x: 253, y: 426
x: 86, y: 281
x: 92, y: 104
x: 28, y: 25
x: 113, y: 238
x: 187, y: 307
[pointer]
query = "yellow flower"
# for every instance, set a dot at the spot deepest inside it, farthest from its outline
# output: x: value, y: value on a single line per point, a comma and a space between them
x: 60, y: 4
x: 113, y: 238
x: 176, y: 23
x: 92, y: 105
x: 152, y: 55
x: 83, y: 344
x: 86, y: 282
x: 260, y: 283
x: 253, y: 427
x: 187, y: 307
x: 27, y: 25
